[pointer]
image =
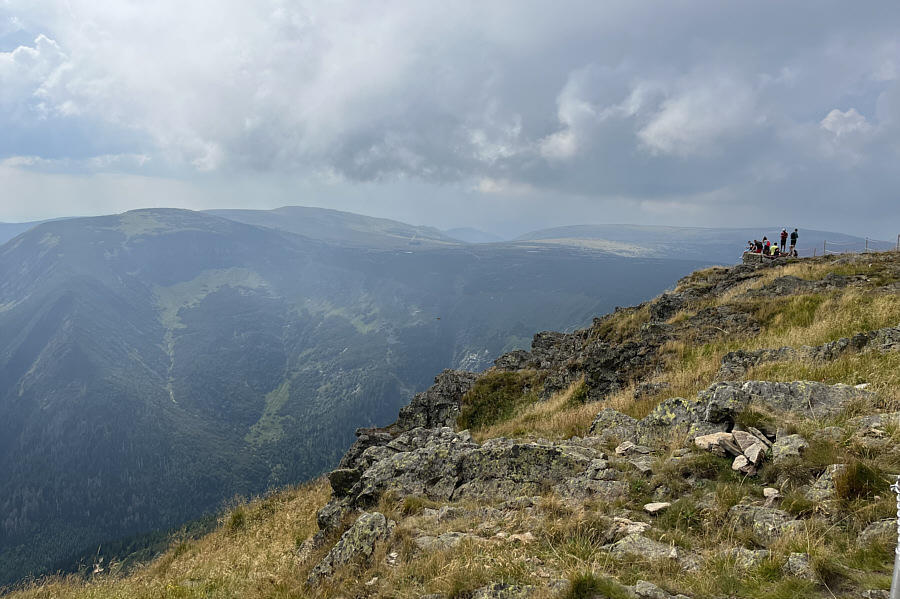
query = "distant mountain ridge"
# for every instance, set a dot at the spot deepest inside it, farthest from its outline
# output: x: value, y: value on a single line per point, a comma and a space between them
x: 335, y: 226
x: 722, y: 246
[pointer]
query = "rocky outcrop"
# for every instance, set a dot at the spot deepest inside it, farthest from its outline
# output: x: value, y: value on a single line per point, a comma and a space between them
x: 443, y: 465
x: 439, y: 405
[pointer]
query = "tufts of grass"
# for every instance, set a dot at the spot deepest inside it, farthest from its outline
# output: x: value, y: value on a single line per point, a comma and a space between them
x: 860, y: 481
x: 560, y: 417
x: 588, y: 585
x: 496, y: 397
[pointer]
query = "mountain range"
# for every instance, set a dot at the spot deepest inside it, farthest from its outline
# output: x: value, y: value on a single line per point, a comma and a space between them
x: 156, y: 364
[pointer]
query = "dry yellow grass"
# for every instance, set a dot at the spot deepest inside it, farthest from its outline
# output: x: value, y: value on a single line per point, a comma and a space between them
x: 253, y: 556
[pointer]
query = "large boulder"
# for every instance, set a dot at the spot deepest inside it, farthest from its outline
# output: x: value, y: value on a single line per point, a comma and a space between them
x: 427, y: 466
x: 503, y: 469
x: 807, y: 398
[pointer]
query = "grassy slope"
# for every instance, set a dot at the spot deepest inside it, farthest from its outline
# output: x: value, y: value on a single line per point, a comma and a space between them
x: 254, y: 552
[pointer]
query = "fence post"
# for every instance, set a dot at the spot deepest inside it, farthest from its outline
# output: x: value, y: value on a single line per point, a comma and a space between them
x: 824, y: 251
x: 895, y: 581
x: 867, y: 246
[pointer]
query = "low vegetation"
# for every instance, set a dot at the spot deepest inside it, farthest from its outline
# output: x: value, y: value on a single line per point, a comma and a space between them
x: 258, y: 550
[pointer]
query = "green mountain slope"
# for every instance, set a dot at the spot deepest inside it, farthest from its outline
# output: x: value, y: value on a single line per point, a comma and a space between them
x: 157, y: 363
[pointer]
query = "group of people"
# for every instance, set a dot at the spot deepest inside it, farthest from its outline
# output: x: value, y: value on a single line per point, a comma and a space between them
x: 774, y: 250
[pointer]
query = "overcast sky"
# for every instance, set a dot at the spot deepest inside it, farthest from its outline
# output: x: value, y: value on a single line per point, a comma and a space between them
x: 501, y: 115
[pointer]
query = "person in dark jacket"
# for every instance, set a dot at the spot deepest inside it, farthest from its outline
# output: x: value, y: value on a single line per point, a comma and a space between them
x: 794, y: 236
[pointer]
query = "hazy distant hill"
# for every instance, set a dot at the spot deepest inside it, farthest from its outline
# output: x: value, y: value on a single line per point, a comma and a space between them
x: 722, y: 246
x: 156, y: 363
x: 470, y: 235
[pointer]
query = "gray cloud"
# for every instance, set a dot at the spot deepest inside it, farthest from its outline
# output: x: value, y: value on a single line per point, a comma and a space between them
x: 690, y: 108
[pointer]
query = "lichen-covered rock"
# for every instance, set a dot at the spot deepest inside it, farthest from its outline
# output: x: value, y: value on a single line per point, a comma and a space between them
x: 788, y: 446
x: 797, y: 565
x: 824, y: 489
x: 747, y: 559
x: 438, y: 406
x: 612, y: 424
x: 357, y: 543
x: 504, y: 469
x: 447, y: 540
x: 648, y: 590
x: 644, y: 548
x: 501, y: 590
x: 765, y: 523
x: 880, y: 531
x: 430, y: 468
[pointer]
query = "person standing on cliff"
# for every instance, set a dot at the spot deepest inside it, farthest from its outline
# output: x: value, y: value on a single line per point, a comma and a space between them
x: 794, y: 236
x: 784, y: 236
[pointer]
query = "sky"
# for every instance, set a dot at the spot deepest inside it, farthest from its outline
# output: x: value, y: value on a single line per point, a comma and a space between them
x: 503, y: 115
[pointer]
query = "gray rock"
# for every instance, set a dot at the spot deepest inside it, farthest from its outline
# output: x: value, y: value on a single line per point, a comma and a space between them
x: 797, y: 565
x: 611, y: 423
x: 437, y: 406
x: 765, y: 523
x: 808, y: 398
x: 823, y: 489
x: 641, y: 546
x: 630, y: 449
x: 506, y: 470
x: 882, y: 530
x: 788, y: 446
x: 430, y: 469
x: 648, y: 590
x: 501, y: 590
x: 747, y: 559
x: 876, y: 594
x: 447, y: 540
x: 357, y: 543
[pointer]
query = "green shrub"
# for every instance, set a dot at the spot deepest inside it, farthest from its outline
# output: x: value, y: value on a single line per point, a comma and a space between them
x: 237, y: 519
x: 495, y: 398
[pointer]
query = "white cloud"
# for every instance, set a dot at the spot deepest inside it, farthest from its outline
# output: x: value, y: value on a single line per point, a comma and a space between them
x: 705, y: 108
x: 845, y: 123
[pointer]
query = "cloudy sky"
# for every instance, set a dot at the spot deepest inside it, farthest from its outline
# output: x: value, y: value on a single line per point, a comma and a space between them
x: 501, y: 115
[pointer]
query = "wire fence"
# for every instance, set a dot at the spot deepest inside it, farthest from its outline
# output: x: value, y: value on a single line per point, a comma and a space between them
x: 854, y: 247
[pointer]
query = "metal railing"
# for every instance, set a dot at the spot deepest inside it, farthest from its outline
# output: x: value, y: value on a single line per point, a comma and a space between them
x: 853, y: 247
x: 895, y: 581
